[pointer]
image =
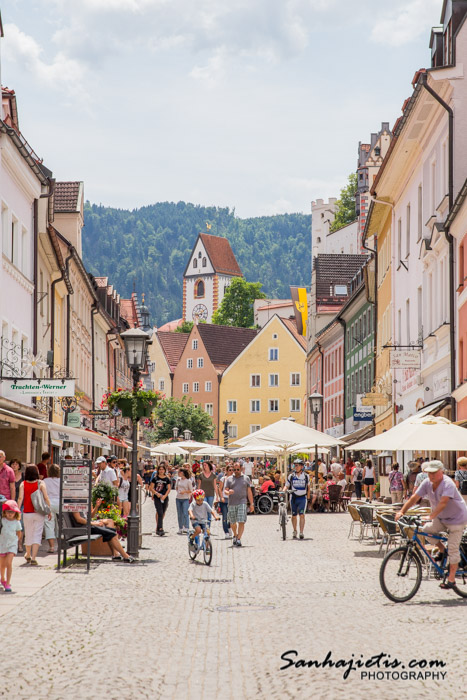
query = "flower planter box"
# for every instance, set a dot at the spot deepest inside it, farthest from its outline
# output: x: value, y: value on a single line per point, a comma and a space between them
x: 99, y: 548
x: 126, y: 407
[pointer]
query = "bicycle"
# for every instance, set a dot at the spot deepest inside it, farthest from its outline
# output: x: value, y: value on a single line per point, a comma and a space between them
x: 200, y: 543
x: 400, y: 574
x: 282, y: 510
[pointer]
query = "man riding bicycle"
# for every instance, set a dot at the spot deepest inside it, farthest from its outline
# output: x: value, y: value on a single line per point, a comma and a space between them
x: 448, y: 513
x: 298, y: 484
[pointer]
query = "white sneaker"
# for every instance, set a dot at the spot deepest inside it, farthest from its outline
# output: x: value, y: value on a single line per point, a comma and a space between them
x: 184, y: 530
x: 231, y: 532
x: 228, y: 537
x: 180, y: 532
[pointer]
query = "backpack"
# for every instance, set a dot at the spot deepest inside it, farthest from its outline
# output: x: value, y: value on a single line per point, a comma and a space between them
x: 359, y: 476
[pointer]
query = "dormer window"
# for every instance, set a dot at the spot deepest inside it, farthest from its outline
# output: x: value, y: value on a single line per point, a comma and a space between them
x: 199, y: 254
x: 340, y: 290
x: 204, y: 262
x: 195, y: 262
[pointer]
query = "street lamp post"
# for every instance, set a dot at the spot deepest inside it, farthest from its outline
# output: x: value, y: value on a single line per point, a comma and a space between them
x: 136, y: 342
x: 316, y: 404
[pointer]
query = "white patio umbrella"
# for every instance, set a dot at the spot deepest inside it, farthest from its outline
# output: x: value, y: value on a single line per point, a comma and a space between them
x: 308, y: 449
x: 428, y: 434
x: 257, y: 450
x: 287, y: 433
x: 168, y: 450
x: 211, y: 451
x: 192, y: 446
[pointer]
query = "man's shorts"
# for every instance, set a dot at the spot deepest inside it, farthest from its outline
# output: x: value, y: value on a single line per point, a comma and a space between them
x: 455, y: 533
x: 298, y: 504
x: 237, y: 514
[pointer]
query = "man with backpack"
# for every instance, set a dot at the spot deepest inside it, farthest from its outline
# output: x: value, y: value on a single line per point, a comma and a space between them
x: 357, y: 479
x: 298, y: 484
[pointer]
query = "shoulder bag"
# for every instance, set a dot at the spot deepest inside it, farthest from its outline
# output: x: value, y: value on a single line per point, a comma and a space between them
x: 38, y: 501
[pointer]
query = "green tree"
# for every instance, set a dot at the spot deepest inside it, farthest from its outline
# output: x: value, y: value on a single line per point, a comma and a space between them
x: 236, y: 308
x: 345, y: 212
x: 184, y: 327
x: 183, y: 414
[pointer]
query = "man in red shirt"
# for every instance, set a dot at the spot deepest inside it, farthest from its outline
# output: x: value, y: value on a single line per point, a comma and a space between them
x: 42, y: 466
x: 7, y: 479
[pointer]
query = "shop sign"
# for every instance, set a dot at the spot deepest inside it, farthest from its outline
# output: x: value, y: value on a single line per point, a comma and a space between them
x: 74, y: 419
x: 374, y: 398
x: 362, y: 415
x: 12, y: 388
x: 405, y: 359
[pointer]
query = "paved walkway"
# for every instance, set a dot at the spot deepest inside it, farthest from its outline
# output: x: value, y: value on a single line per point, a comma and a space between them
x: 171, y: 628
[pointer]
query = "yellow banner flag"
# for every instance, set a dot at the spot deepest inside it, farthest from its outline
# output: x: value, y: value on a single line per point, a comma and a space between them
x: 300, y: 303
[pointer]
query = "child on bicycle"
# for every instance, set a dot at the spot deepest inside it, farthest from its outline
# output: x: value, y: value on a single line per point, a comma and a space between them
x: 198, y: 512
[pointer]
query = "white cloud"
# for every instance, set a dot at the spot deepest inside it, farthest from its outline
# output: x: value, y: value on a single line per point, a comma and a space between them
x: 212, y: 73
x: 406, y: 22
x: 61, y: 73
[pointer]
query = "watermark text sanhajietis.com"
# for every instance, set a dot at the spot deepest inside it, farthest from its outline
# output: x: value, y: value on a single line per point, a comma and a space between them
x: 377, y: 667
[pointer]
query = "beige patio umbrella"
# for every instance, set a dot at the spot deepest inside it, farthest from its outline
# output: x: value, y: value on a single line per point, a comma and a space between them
x: 287, y: 433
x: 429, y: 433
x: 257, y: 450
x: 167, y: 449
x: 211, y: 451
x: 192, y: 446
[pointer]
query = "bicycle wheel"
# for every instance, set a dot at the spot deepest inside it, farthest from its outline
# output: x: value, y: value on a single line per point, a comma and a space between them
x: 400, y: 575
x: 461, y: 577
x: 192, y: 549
x: 207, y: 552
x: 284, y: 525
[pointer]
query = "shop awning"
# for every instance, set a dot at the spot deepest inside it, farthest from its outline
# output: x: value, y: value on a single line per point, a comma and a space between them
x: 360, y: 434
x: 21, y: 419
x: 79, y: 436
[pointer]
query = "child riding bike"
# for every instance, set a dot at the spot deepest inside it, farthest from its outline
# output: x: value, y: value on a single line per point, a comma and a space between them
x: 198, y: 512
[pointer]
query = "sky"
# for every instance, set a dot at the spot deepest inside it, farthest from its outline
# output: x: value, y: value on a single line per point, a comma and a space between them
x: 258, y: 105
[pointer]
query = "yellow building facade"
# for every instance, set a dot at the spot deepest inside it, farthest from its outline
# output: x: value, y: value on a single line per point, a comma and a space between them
x: 266, y: 382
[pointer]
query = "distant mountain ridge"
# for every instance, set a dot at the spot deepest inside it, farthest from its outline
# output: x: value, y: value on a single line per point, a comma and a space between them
x: 149, y: 248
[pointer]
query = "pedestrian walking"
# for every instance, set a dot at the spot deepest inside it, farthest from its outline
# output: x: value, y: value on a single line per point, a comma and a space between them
x: 9, y: 535
x: 206, y: 481
x: 159, y: 488
x: 33, y: 522
x: 396, y: 484
x: 124, y: 490
x: 224, y: 502
x: 7, y: 479
x: 238, y: 489
x: 460, y: 477
x: 17, y: 467
x: 184, y: 490
x: 52, y: 484
x: 357, y: 479
x: 369, y: 479
x: 298, y: 484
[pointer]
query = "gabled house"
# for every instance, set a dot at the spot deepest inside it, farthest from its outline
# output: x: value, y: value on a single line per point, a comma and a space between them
x: 209, y: 351
x: 164, y: 354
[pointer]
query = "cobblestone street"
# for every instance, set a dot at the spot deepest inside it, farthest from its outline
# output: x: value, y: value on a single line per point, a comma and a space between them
x: 171, y: 628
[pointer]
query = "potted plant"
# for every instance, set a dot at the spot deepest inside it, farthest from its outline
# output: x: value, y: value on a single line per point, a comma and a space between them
x: 133, y: 404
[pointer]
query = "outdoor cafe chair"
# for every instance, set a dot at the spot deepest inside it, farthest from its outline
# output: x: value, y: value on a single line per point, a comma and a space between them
x: 389, y: 529
x: 334, y: 493
x: 346, y: 496
x: 368, y: 522
x: 355, y: 515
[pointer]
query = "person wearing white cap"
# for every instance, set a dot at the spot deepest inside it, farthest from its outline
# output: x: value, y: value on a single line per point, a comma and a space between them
x: 448, y: 513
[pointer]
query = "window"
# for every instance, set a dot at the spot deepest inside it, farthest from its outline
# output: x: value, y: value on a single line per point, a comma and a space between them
x: 200, y: 254
x: 194, y: 344
x: 189, y: 363
x: 255, y: 406
x: 233, y: 431
x: 255, y: 380
x: 41, y: 292
x: 204, y: 262
x: 340, y: 290
x: 273, y: 380
x: 274, y: 336
x: 5, y: 240
x: 254, y: 428
x: 399, y: 243
x: 199, y: 289
x: 185, y: 388
x: 273, y: 405
x: 195, y: 262
x: 208, y: 386
x: 294, y: 405
x: 231, y: 407
x: 420, y: 213
x: 407, y: 319
x: 161, y: 385
x: 209, y: 408
x: 195, y: 387
x: 273, y: 354
x: 14, y: 243
x: 407, y: 233
x: 295, y: 379
x: 24, y: 259
x: 200, y: 362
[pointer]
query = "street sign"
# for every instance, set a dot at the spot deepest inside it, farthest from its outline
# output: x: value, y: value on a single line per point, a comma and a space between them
x: 37, y: 387
x: 405, y: 359
x: 374, y: 398
x: 73, y: 419
x: 75, y: 495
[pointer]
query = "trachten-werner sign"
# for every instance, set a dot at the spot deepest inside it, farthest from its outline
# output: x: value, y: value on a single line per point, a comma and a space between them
x: 37, y: 387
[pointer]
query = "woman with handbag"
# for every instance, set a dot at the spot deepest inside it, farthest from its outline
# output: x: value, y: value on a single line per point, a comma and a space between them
x: 34, y: 498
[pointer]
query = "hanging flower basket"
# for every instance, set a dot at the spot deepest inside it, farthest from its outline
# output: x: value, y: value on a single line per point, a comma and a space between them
x: 134, y: 405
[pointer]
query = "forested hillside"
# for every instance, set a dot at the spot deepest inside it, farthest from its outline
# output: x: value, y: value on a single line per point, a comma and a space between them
x: 149, y: 248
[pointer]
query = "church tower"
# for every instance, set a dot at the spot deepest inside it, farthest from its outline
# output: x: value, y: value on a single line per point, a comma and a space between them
x: 209, y: 271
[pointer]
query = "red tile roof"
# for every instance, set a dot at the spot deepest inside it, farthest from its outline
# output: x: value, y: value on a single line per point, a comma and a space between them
x: 66, y: 195
x: 286, y: 302
x: 173, y: 345
x: 291, y: 325
x: 221, y: 254
x: 224, y: 343
x: 128, y: 312
x: 171, y: 325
